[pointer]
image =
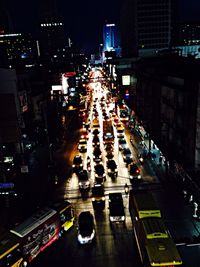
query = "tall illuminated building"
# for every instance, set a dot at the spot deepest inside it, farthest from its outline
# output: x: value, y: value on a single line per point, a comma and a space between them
x: 111, y: 40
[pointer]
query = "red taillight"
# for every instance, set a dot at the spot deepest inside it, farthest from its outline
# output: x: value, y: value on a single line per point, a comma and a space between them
x: 137, y: 171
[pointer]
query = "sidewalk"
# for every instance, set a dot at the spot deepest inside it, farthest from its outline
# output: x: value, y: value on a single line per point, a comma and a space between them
x: 184, y: 228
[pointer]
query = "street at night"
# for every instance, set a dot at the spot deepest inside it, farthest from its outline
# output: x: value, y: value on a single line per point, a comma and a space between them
x: 100, y: 133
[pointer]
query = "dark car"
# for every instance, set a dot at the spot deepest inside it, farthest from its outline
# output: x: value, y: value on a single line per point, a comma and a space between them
x: 134, y: 172
x: 86, y: 229
x: 95, y: 132
x: 127, y: 155
x: 116, y: 207
x: 84, y: 183
x: 77, y: 163
x: 97, y: 155
x: 122, y: 144
x: 98, y: 197
x: 109, y: 155
x: 95, y: 141
x: 112, y: 168
x: 100, y: 175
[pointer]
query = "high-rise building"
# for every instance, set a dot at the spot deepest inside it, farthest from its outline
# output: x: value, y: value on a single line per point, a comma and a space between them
x: 111, y: 40
x: 146, y: 26
x: 17, y: 49
x: 52, y: 33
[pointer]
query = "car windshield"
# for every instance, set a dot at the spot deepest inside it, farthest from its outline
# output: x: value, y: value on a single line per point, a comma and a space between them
x: 82, y: 142
x: 99, y: 169
x: 122, y: 141
x: 112, y: 164
x: 83, y: 175
x: 97, y: 191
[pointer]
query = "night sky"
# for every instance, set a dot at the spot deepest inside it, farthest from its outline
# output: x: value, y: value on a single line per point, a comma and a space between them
x: 83, y: 19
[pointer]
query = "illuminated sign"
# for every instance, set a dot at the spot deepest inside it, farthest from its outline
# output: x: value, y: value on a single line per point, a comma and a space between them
x: 6, y: 185
x: 126, y: 80
x: 69, y: 74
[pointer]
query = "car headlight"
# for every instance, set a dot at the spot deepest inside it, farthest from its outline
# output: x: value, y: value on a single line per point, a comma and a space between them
x: 131, y: 176
x: 123, y: 218
x: 87, y: 183
x: 93, y: 199
x: 109, y: 170
x: 81, y: 165
x: 73, y: 165
x: 115, y: 170
x: 103, y: 198
x: 111, y: 218
x: 139, y: 176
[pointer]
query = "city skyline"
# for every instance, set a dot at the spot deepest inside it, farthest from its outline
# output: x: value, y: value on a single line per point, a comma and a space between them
x: 83, y: 21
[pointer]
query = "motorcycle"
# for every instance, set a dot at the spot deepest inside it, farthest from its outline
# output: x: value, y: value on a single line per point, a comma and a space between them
x: 89, y: 167
x: 126, y: 189
x: 141, y: 159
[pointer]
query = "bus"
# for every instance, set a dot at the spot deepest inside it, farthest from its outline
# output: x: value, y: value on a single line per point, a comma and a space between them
x: 108, y: 135
x: 155, y: 244
x: 20, y: 245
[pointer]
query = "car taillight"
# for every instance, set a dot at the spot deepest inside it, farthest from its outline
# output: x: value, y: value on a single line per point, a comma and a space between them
x: 137, y: 171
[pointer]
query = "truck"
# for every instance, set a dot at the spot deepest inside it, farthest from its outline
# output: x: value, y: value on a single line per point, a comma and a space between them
x: 116, y: 207
x: 108, y: 135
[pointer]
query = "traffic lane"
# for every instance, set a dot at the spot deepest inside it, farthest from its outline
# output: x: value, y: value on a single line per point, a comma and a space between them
x: 113, y: 247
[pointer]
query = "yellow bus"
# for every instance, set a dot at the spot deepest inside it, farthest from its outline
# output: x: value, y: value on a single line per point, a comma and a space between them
x: 154, y: 242
x: 10, y: 254
x: 22, y: 244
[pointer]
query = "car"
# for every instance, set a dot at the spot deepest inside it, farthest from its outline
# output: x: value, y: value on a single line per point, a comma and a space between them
x: 122, y: 143
x: 96, y: 123
x: 134, y: 173
x: 95, y: 132
x: 84, y: 133
x: 84, y: 183
x: 120, y: 132
x: 82, y: 146
x: 98, y: 197
x: 97, y: 155
x: 77, y: 163
x: 96, y: 141
x: 127, y: 155
x: 112, y: 168
x: 109, y: 147
x: 116, y: 207
x: 109, y: 155
x: 86, y: 229
x: 100, y: 175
